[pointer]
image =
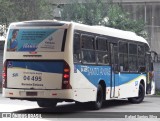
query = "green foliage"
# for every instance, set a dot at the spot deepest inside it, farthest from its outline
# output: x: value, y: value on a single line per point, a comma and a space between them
x: 96, y: 12
x: 121, y: 20
x: 45, y: 10
x: 22, y: 10
x: 90, y: 13
x: 4, y: 10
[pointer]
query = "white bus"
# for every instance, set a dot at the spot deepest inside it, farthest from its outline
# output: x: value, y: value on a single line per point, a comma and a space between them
x: 53, y: 61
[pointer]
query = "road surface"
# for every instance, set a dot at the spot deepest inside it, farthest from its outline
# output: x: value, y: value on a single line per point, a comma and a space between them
x: 69, y: 111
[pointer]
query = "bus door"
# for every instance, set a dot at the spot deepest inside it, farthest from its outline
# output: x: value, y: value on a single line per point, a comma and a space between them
x: 151, y: 59
x: 114, y: 64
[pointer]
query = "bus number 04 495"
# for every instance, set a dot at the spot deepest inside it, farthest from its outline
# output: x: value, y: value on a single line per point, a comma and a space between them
x: 32, y: 78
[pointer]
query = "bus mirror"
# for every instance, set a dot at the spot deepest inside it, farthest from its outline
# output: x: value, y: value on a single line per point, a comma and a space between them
x: 142, y: 69
x: 154, y: 56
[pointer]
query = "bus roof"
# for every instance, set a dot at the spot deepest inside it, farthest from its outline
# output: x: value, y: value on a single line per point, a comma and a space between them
x: 93, y: 29
x: 39, y: 23
x: 110, y: 32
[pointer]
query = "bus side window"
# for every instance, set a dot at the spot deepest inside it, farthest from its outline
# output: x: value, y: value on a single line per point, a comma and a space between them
x: 76, y: 47
x: 88, y: 56
x: 141, y: 58
x: 133, y: 57
x: 123, y: 56
x: 88, y: 49
x: 102, y: 51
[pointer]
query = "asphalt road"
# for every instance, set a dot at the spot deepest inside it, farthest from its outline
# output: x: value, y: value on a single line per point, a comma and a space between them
x: 148, y: 110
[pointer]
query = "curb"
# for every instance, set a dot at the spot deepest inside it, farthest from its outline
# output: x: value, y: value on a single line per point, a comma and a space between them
x: 152, y: 95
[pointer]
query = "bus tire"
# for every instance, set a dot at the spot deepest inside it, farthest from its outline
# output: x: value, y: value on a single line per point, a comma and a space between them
x: 99, y: 99
x: 140, y: 97
x: 47, y: 103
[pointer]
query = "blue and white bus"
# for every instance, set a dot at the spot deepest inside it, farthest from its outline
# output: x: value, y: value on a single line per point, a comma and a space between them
x: 53, y: 61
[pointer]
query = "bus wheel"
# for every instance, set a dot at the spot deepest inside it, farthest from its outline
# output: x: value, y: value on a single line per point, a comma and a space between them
x: 47, y: 103
x: 99, y: 100
x: 140, y: 97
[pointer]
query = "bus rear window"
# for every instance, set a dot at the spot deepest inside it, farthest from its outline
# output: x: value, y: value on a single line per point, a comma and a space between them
x: 39, y: 40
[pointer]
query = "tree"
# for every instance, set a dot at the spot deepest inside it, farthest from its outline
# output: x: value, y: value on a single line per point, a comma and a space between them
x: 118, y: 18
x: 4, y: 10
x: 90, y: 13
x: 22, y: 10
x: 96, y: 12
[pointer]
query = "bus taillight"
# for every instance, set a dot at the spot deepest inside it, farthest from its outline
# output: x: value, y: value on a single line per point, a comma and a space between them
x: 66, y: 77
x: 4, y: 76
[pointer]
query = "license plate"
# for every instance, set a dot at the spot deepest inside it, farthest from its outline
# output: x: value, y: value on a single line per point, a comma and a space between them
x: 31, y: 93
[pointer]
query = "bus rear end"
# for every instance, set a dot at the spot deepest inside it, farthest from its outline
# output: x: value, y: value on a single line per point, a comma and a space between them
x: 35, y: 67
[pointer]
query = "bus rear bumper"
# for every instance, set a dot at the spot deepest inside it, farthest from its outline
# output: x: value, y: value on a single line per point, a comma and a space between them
x: 24, y: 93
x: 81, y: 95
